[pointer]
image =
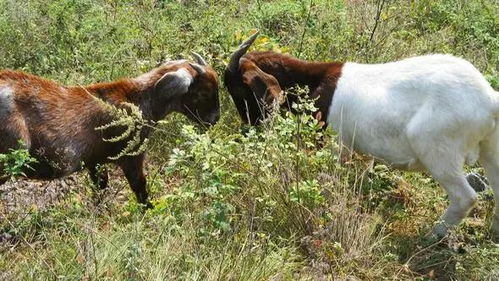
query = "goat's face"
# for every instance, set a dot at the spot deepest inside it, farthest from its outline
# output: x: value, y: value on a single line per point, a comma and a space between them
x: 247, y: 104
x: 188, y: 88
x: 252, y: 90
x: 201, y: 103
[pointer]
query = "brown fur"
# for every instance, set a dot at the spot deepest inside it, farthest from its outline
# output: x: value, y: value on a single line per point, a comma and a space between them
x: 57, y: 123
x: 261, y: 77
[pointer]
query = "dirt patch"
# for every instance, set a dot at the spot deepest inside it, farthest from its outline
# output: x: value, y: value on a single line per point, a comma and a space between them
x: 19, y: 195
x: 24, y: 194
x: 20, y: 198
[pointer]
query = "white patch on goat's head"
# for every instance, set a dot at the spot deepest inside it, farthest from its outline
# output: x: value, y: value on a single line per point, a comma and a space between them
x: 6, y: 99
x: 147, y: 77
x: 181, y: 82
x: 185, y: 78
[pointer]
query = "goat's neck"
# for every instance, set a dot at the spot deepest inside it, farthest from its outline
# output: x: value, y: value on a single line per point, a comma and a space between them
x: 320, y: 77
x: 133, y: 91
x: 304, y: 73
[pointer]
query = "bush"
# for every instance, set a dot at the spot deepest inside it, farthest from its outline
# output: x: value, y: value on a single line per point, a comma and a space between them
x: 276, y: 203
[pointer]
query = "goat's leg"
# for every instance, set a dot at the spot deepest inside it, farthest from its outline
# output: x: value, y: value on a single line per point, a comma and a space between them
x: 462, y: 197
x: 134, y: 172
x: 3, y: 178
x: 446, y: 168
x: 489, y: 158
x: 443, y: 156
x: 99, y: 176
x: 439, y: 156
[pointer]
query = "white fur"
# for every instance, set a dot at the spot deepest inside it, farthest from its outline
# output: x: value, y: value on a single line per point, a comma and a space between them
x: 6, y: 99
x: 146, y: 77
x: 431, y: 113
x: 179, y: 80
x: 185, y: 79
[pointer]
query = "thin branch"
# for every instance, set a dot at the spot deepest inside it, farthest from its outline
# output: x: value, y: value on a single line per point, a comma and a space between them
x: 305, y: 28
x: 380, y: 5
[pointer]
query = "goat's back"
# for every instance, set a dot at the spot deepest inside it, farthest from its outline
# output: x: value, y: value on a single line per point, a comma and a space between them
x: 57, y: 123
x: 376, y: 108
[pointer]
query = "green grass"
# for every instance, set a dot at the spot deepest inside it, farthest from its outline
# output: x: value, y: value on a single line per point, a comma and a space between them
x: 268, y: 206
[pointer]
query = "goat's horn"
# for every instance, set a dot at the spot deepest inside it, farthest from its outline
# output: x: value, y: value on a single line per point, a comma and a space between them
x: 199, y: 59
x: 199, y: 69
x: 243, y: 48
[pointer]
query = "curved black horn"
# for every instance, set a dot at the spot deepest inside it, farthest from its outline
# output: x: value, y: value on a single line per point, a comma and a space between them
x: 236, y: 56
x: 199, y: 59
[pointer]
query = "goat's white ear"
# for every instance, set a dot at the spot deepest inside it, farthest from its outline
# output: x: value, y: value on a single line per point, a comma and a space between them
x: 174, y: 83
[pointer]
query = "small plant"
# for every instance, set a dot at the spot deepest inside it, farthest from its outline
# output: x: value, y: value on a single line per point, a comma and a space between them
x: 16, y: 162
x: 307, y: 193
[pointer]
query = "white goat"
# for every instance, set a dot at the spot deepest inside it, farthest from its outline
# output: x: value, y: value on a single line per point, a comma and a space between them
x: 434, y: 113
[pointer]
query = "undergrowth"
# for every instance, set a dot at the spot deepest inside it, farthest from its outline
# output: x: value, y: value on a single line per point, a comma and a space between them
x: 275, y: 203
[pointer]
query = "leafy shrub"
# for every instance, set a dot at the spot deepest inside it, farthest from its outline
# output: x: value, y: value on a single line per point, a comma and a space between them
x: 15, y: 163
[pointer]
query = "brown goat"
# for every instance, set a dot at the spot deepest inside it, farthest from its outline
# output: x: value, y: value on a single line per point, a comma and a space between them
x: 256, y: 79
x: 57, y: 123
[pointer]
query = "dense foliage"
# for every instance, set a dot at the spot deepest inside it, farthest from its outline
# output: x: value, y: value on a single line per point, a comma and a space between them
x: 276, y: 203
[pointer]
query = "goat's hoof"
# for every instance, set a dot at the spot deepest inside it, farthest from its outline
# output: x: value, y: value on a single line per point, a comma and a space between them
x: 439, y: 231
x: 495, y: 238
x: 147, y: 205
x: 478, y: 182
x: 431, y: 239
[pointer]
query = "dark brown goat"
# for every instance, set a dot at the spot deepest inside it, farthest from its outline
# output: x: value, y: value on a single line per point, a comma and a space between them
x: 57, y: 123
x: 256, y: 79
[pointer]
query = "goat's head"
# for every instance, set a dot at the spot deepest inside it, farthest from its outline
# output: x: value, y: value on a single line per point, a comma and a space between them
x: 189, y: 88
x: 251, y: 89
